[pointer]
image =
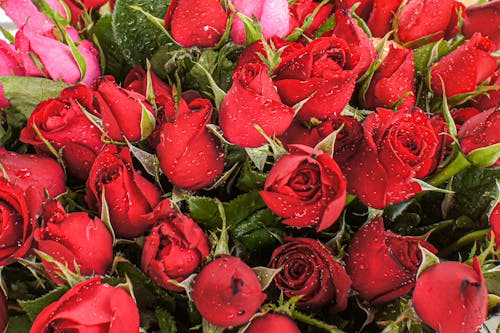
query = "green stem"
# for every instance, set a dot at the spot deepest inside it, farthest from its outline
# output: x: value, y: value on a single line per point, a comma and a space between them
x: 316, y: 323
x: 436, y: 226
x: 457, y: 165
x: 465, y: 240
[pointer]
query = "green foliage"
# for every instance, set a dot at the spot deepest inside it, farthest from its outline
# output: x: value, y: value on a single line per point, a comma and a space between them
x: 35, y: 306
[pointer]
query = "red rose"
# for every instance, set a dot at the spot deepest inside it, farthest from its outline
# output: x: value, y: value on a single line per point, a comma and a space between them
x: 37, y: 174
x: 397, y: 147
x: 78, y: 7
x: 253, y: 100
x: 75, y: 240
x: 128, y: 195
x: 300, y: 9
x: 393, y: 81
x: 310, y: 270
x: 90, y: 306
x: 18, y: 223
x: 464, y: 68
x: 63, y: 124
x: 495, y: 224
x: 346, y: 141
x: 378, y: 14
x: 451, y: 297
x: 483, y: 18
x: 323, y: 70
x: 360, y: 45
x: 196, y: 23
x: 137, y: 81
x: 272, y: 323
x: 125, y: 114
x: 4, y: 311
x: 383, y: 265
x: 306, y: 187
x: 227, y: 292
x: 419, y: 19
x: 175, y: 247
x: 480, y: 131
x: 492, y: 98
x: 190, y: 155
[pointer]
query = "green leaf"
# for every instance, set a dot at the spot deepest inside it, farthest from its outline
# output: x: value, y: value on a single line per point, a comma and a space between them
x: 265, y: 275
x: 105, y: 217
x: 115, y: 63
x: 137, y: 37
x: 26, y: 92
x: 492, y: 280
x: 253, y: 32
x: 148, y: 122
x: 217, y: 92
x: 204, y: 210
x: 166, y: 321
x: 258, y: 156
x: 250, y: 179
x: 428, y: 259
x: 19, y: 324
x: 485, y: 156
x: 242, y: 207
x: 35, y: 306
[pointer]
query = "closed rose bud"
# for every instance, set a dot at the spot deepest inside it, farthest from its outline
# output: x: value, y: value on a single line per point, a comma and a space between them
x: 90, y: 306
x: 128, y: 195
x: 175, y: 247
x: 427, y: 20
x: 383, y: 265
x: 321, y: 71
x: 495, y: 224
x: 480, y: 131
x: 484, y: 18
x: 310, y: 270
x: 190, y: 155
x: 37, y: 173
x: 124, y: 113
x: 227, y: 292
x: 306, y: 188
x: 253, y: 100
x: 464, y: 68
x: 75, y: 240
x: 78, y: 8
x: 393, y: 81
x: 300, y: 9
x: 492, y: 98
x: 196, y: 22
x: 272, y: 323
x: 18, y: 223
x: 63, y: 124
x: 451, y: 297
x: 273, y: 16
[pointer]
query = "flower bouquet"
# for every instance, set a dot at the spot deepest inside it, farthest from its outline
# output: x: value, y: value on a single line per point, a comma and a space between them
x: 250, y: 166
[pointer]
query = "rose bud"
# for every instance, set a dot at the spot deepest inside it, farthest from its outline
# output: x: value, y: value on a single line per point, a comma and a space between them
x: 306, y: 188
x: 397, y: 147
x: 18, y: 223
x: 175, y: 247
x: 383, y: 265
x: 273, y: 16
x: 480, y: 131
x: 125, y: 114
x: 78, y: 7
x: 253, y: 100
x: 393, y: 81
x: 360, y: 45
x: 190, y: 155
x: 10, y: 64
x: 378, y: 14
x: 137, y: 81
x: 483, y: 18
x: 322, y: 72
x: 63, y: 124
x: 346, y: 141
x: 271, y: 323
x: 492, y: 98
x: 417, y: 20
x: 495, y: 225
x: 227, y: 292
x: 128, y: 195
x: 90, y: 306
x: 37, y: 39
x: 4, y: 311
x: 195, y: 22
x: 75, y: 240
x: 464, y: 68
x: 300, y: 9
x: 33, y: 173
x: 451, y: 297
x: 310, y: 270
